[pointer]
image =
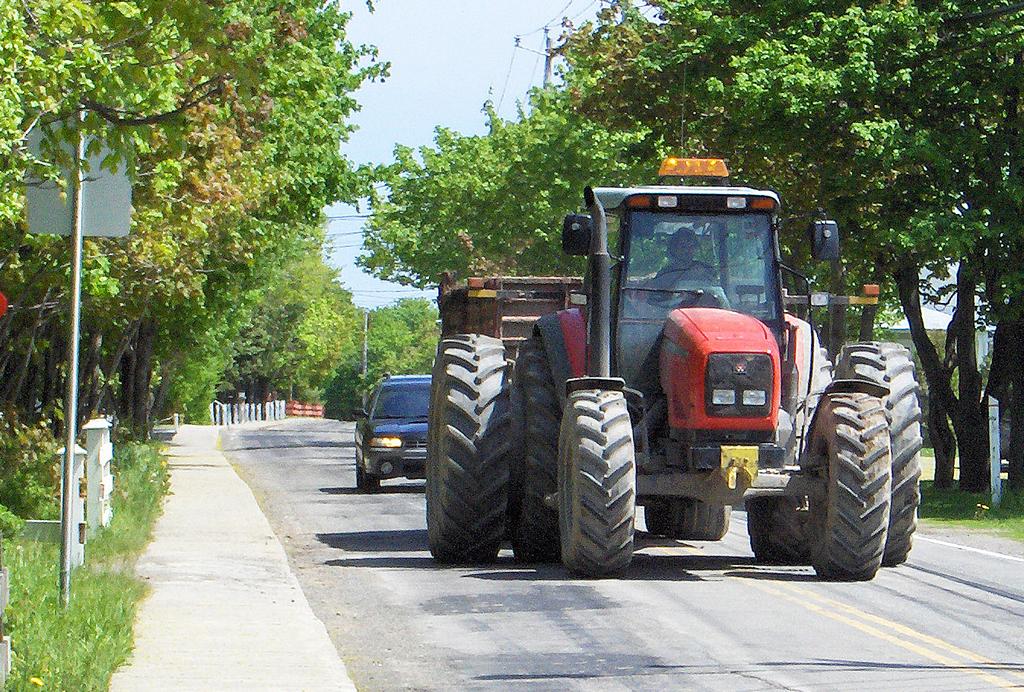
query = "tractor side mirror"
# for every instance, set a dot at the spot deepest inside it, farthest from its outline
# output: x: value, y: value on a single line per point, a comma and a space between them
x: 824, y: 240
x: 576, y: 231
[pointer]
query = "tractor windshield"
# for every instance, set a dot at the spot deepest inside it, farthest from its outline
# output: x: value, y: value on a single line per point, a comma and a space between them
x: 707, y: 260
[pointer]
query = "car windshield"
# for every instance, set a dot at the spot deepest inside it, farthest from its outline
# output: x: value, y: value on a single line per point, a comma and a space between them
x: 710, y: 260
x: 403, y: 401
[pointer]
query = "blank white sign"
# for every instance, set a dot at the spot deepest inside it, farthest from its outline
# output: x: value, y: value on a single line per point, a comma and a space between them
x: 106, y: 196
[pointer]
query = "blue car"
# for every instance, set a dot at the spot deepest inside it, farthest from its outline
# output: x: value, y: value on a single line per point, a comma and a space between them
x: 391, y: 438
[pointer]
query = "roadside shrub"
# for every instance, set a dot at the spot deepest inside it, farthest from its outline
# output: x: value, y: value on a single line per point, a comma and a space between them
x: 10, y: 523
x: 29, y: 470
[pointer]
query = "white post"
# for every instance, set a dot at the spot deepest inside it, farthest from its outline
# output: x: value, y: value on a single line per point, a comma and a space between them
x: 994, y: 456
x: 99, y: 453
x: 76, y: 509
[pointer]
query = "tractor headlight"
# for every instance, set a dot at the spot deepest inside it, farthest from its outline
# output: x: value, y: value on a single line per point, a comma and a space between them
x: 723, y: 397
x: 754, y: 397
x: 738, y: 384
x: 387, y: 442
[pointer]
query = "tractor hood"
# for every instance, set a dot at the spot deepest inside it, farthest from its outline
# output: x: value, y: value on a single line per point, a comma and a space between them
x: 724, y: 328
x: 720, y: 370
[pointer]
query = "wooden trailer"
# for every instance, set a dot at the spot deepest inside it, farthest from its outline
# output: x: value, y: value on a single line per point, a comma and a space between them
x: 504, y: 307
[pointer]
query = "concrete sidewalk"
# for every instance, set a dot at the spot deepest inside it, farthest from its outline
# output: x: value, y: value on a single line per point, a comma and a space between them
x: 224, y: 611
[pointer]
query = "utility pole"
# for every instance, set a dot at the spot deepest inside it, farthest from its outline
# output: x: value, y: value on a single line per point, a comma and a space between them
x: 366, y: 334
x: 68, y: 531
x: 548, y: 58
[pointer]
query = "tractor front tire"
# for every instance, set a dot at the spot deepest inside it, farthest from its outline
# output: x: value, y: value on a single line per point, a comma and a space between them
x: 687, y: 519
x: 849, y: 520
x: 468, y: 450
x: 777, y: 527
x: 535, y: 534
x: 892, y: 366
x: 596, y: 483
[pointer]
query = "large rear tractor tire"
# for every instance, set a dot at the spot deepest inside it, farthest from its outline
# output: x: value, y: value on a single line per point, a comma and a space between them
x: 687, y: 519
x: 892, y: 366
x: 535, y: 535
x: 849, y: 520
x: 596, y: 483
x: 777, y: 527
x: 468, y: 450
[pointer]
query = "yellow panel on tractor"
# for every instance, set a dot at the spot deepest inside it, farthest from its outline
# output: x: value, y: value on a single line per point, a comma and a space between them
x: 739, y: 465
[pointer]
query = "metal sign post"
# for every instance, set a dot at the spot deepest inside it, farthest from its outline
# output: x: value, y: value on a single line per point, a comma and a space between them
x: 67, y: 530
x: 100, y: 206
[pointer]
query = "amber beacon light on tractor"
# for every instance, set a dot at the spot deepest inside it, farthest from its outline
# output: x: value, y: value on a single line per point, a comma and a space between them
x: 676, y: 377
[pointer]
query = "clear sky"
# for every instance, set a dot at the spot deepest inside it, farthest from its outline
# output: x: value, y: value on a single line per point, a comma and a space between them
x: 447, y: 57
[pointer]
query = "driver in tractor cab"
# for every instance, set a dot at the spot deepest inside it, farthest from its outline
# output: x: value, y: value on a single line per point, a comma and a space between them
x: 683, y: 269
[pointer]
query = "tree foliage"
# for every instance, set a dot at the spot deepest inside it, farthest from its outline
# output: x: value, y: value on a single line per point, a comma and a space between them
x: 493, y: 203
x: 302, y: 326
x: 231, y: 115
x: 402, y: 339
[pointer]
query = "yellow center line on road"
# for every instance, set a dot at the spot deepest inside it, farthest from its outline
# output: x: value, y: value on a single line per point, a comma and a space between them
x: 793, y: 594
x: 799, y: 596
x: 902, y: 629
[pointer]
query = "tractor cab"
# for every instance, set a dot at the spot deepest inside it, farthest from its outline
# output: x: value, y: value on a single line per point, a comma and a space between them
x: 686, y: 246
x: 689, y: 247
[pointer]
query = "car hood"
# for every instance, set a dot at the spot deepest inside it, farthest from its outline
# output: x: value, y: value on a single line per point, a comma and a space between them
x: 402, y: 427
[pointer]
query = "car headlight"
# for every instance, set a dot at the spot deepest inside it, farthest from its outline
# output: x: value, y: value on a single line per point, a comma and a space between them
x: 388, y: 442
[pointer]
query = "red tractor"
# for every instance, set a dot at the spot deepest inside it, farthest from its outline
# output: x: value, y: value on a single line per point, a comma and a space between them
x: 676, y: 381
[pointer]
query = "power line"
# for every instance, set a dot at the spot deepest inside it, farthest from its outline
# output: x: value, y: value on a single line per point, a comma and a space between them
x: 584, y: 11
x: 551, y: 21
x: 536, y: 62
x: 340, y: 217
x: 508, y: 74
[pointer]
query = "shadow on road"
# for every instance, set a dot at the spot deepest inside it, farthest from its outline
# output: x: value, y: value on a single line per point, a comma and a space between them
x: 402, y: 541
x: 622, y: 668
x: 423, y: 562
x: 644, y: 567
x: 384, y: 490
x: 299, y: 444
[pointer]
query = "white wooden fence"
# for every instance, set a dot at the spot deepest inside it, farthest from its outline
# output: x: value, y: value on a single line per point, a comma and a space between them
x: 233, y: 414
x: 91, y: 509
x: 99, y: 452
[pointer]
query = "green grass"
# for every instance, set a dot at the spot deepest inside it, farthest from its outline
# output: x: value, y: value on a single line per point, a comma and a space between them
x: 973, y: 510
x: 80, y: 648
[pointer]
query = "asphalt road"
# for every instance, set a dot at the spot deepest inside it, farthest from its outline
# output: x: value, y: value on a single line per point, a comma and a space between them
x: 686, y: 616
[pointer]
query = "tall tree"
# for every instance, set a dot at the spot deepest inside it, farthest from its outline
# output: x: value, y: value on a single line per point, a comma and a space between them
x: 494, y: 203
x: 232, y: 115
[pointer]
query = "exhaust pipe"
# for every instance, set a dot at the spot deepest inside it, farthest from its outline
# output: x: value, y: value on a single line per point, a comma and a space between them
x: 599, y: 345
